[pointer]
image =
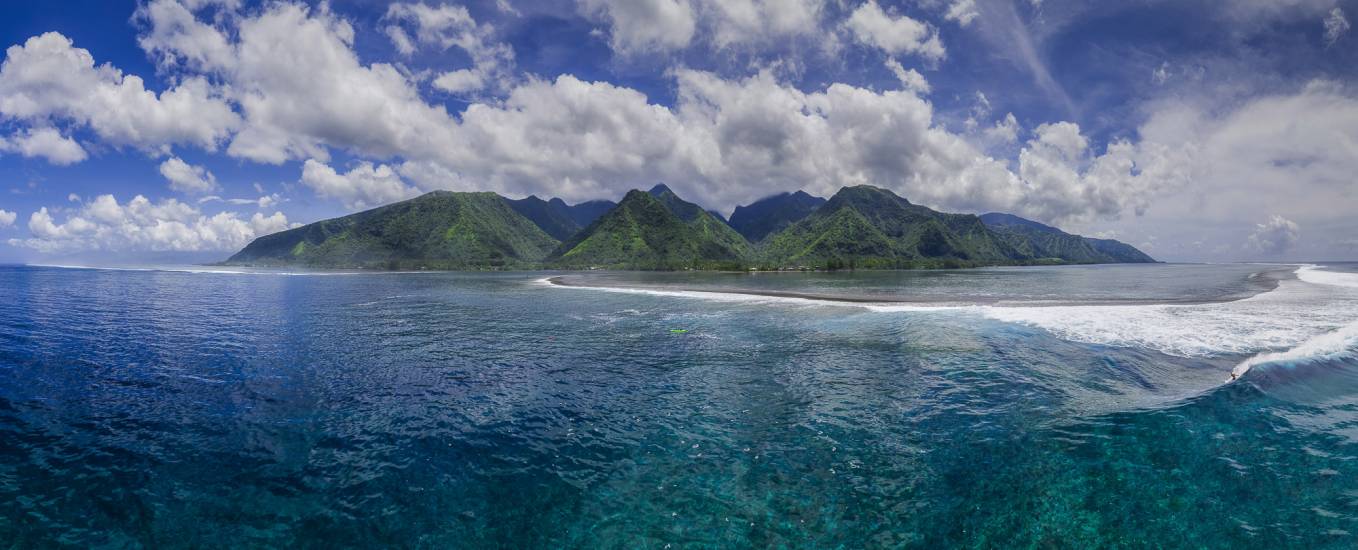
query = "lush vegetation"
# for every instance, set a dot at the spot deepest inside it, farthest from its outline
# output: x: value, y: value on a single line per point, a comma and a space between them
x: 655, y: 230
x: 868, y: 227
x: 440, y: 230
x: 558, y: 219
x: 1036, y: 240
x: 773, y: 214
x: 860, y: 227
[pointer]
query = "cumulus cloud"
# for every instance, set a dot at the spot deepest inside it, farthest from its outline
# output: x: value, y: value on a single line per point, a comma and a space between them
x: 47, y: 143
x: 1274, y: 237
x: 963, y: 12
x: 641, y: 26
x: 723, y: 141
x: 739, y: 22
x: 1065, y: 182
x: 48, y: 79
x: 362, y: 187
x: 590, y: 139
x: 175, y: 36
x: 909, y: 78
x: 141, y: 225
x: 7, y: 218
x: 413, y: 25
x: 893, y: 34
x: 1278, y: 154
x: 1004, y: 132
x: 320, y: 96
x: 187, y: 178
x: 663, y: 26
x: 1336, y: 26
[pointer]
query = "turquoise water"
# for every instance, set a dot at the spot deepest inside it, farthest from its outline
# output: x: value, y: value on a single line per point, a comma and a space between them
x: 1054, y: 407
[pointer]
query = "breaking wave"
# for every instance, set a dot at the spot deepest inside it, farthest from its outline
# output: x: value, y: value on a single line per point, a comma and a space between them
x: 1312, y: 316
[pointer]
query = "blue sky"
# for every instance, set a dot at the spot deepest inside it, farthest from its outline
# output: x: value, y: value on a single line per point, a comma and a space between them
x: 178, y: 130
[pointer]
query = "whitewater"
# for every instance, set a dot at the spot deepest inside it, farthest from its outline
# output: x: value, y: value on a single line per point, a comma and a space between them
x: 1312, y: 316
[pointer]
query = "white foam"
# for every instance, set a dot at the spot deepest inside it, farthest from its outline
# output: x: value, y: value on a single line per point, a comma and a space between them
x: 745, y: 297
x: 1316, y: 275
x: 1314, y: 314
x: 1310, y: 315
x: 713, y: 296
x: 1330, y: 345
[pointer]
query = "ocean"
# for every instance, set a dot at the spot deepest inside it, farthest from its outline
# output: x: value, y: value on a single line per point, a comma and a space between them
x: 1211, y: 406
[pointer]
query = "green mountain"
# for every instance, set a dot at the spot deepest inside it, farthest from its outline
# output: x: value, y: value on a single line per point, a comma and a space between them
x: 655, y: 230
x: 859, y: 227
x: 586, y: 212
x: 773, y: 214
x: 439, y: 230
x: 556, y: 218
x: 1120, y: 252
x: 869, y: 227
x: 1037, y: 240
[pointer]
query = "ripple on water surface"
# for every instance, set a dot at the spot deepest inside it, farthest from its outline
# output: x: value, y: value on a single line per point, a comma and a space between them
x: 472, y: 410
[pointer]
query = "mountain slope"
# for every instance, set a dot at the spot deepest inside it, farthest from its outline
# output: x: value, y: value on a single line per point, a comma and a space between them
x: 1044, y: 241
x: 655, y: 230
x: 1120, y: 252
x: 586, y: 212
x: 439, y: 230
x: 773, y: 214
x: 556, y: 218
x: 865, y: 226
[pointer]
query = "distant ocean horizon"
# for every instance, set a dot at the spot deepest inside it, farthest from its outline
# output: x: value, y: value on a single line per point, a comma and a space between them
x: 1160, y: 405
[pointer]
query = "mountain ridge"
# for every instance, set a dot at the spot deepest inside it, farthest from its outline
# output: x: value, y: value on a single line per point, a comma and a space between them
x: 859, y: 227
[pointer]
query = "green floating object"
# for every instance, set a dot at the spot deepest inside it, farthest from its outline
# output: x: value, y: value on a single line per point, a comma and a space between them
x: 679, y: 331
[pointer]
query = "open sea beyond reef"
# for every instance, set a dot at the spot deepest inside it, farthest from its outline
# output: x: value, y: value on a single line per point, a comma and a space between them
x: 1083, y: 406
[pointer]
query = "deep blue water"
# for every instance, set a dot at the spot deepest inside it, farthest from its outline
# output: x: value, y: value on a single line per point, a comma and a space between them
x: 165, y: 408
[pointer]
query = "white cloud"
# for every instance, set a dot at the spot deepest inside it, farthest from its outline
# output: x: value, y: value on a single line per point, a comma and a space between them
x: 664, y: 26
x: 739, y: 22
x: 446, y: 27
x: 1336, y: 26
x: 726, y: 141
x: 362, y: 187
x: 895, y: 35
x: 263, y: 202
x: 1161, y: 74
x: 1004, y: 132
x: 963, y: 12
x: 48, y: 79
x: 141, y: 225
x: 187, y: 178
x: 642, y: 26
x: 1064, y: 182
x: 909, y: 78
x: 722, y: 142
x: 1274, y: 237
x: 1287, y: 154
x: 176, y: 37
x: 47, y: 143
x: 7, y: 218
x: 320, y: 96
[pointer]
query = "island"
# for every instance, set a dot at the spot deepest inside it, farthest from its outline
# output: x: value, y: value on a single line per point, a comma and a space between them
x: 860, y: 227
